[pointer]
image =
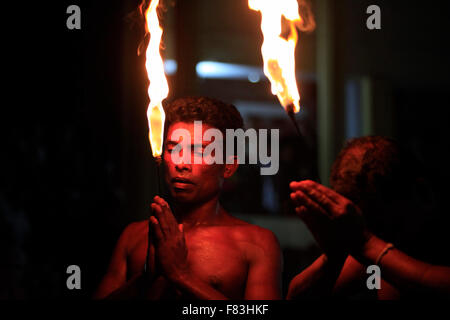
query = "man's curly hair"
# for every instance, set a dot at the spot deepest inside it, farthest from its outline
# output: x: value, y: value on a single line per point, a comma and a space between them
x: 210, y: 111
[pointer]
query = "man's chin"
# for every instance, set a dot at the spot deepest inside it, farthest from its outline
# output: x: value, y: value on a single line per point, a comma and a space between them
x: 182, y: 196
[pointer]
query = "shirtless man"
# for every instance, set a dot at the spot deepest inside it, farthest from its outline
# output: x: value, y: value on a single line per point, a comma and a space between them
x: 197, y: 249
x: 358, y: 224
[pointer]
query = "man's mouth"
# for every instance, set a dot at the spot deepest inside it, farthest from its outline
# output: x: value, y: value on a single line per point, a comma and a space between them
x: 181, y: 183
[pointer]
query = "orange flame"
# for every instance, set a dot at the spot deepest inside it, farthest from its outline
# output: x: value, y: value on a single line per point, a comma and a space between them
x: 158, y: 89
x: 279, y: 53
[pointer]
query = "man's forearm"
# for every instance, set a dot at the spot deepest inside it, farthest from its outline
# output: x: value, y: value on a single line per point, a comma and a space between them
x: 318, y: 279
x: 141, y: 286
x: 129, y: 290
x: 196, y: 287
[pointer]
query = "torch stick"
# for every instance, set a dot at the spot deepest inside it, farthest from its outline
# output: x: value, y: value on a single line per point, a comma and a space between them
x: 158, y: 174
x: 303, y: 144
x: 291, y: 114
x: 158, y: 192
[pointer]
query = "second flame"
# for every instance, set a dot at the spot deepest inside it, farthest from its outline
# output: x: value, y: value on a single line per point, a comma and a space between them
x: 279, y: 53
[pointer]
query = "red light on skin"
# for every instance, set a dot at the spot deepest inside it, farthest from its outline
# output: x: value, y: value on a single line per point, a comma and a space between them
x: 191, y: 179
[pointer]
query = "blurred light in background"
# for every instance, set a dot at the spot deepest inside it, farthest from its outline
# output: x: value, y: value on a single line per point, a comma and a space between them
x: 266, y: 110
x: 352, y: 109
x: 230, y: 71
x: 221, y: 70
x: 170, y: 67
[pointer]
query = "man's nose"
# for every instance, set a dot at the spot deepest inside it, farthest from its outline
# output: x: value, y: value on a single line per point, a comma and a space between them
x: 185, y: 163
x: 183, y: 167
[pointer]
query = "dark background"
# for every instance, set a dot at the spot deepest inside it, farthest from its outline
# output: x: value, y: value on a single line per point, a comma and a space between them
x: 77, y: 167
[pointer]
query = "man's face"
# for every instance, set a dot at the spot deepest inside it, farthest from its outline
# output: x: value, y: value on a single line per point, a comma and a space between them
x: 189, y: 182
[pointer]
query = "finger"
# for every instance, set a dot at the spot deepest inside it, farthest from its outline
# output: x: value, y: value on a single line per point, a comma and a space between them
x: 311, y: 221
x: 181, y: 228
x: 151, y: 235
x: 314, y: 208
x: 321, y: 199
x: 302, y: 199
x: 299, y: 198
x: 320, y: 196
x: 301, y: 211
x: 155, y: 227
x: 330, y: 193
x: 159, y: 215
x: 318, y: 224
x: 306, y: 185
x: 169, y: 218
x: 293, y: 185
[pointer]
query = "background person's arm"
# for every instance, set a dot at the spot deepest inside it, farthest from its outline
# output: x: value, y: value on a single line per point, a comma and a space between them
x: 317, y: 280
x: 325, y: 278
x: 335, y: 220
x: 403, y: 271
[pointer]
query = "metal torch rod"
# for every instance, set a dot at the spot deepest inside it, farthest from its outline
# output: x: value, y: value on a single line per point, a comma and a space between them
x: 291, y: 114
x: 158, y: 174
x: 158, y: 192
x: 303, y: 143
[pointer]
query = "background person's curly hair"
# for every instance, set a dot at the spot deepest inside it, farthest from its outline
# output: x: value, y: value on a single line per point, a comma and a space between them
x: 376, y: 173
x: 210, y: 111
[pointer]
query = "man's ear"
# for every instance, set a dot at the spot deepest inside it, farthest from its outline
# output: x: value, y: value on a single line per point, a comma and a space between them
x: 231, y: 167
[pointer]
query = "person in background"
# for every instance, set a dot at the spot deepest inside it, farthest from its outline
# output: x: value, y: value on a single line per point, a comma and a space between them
x: 376, y: 185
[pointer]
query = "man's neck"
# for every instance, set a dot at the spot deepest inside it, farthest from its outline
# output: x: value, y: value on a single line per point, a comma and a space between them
x: 205, y: 214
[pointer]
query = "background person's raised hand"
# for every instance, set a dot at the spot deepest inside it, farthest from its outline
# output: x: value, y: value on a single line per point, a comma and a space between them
x: 335, y: 222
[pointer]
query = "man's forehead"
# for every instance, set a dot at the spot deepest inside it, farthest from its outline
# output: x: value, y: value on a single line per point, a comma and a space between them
x: 185, y: 131
x: 189, y: 125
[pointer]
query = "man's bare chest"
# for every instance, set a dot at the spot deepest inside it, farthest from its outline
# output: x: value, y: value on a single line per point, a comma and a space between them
x: 213, y: 258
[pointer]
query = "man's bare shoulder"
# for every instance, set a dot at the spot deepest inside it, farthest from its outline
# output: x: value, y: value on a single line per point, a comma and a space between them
x: 258, y: 243
x: 134, y: 232
x: 136, y: 227
x: 250, y: 233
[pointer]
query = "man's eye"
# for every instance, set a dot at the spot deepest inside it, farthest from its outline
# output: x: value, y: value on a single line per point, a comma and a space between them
x: 173, y: 149
x: 198, y: 151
